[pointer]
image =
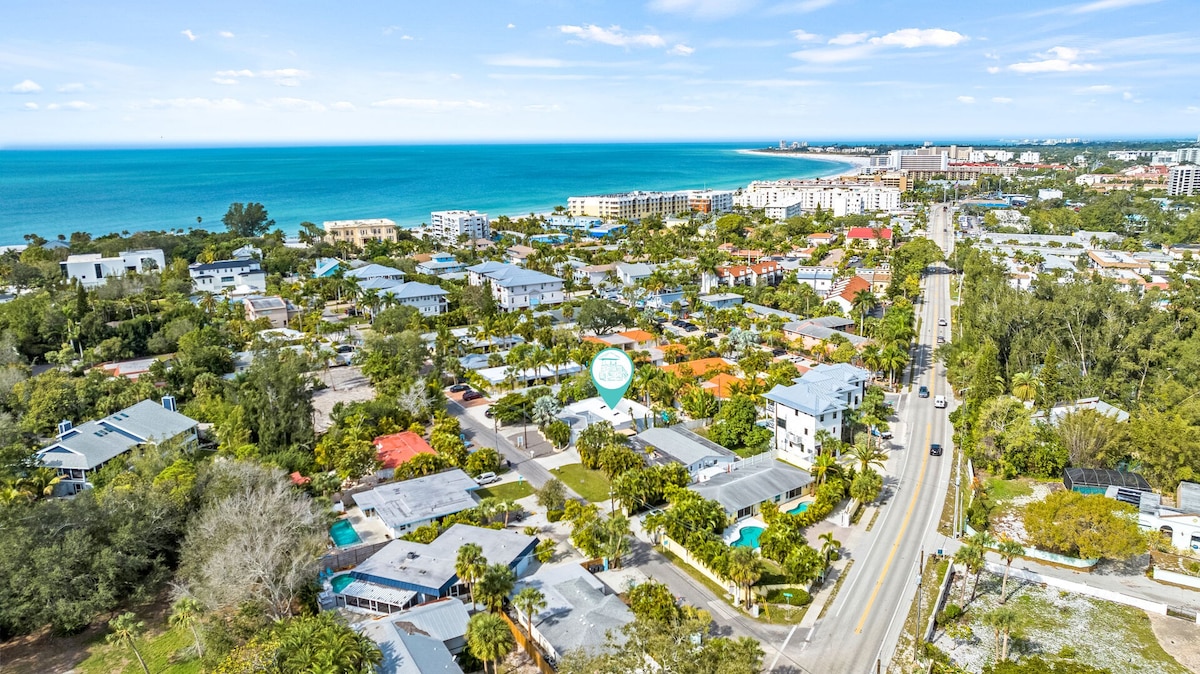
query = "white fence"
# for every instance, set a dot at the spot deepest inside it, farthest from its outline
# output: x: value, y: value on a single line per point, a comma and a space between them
x: 1176, y: 578
x: 1080, y: 588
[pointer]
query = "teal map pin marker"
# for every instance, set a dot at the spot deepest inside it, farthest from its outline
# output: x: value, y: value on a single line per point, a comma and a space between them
x: 612, y: 373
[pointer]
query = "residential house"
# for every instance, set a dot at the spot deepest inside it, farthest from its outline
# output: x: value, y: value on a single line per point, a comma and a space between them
x: 628, y: 414
x: 408, y: 651
x: 93, y: 270
x: 816, y: 402
x: 397, y: 449
x: 515, y: 287
x: 439, y: 264
x: 812, y: 332
x: 248, y: 252
x: 404, y: 506
x: 404, y: 574
x: 630, y: 273
x: 375, y: 271
x: 743, y: 486
x: 243, y: 275
x: 821, y: 239
x: 1180, y: 523
x: 518, y: 255
x: 580, y: 614
x: 819, y: 279
x: 844, y: 291
x: 595, y: 274
x: 870, y: 235
x: 720, y: 301
x: 428, y: 299
x: 275, y: 309
x: 879, y: 278
x: 640, y: 339
x: 79, y: 451
x: 327, y: 267
x: 1095, y: 404
x: 678, y: 445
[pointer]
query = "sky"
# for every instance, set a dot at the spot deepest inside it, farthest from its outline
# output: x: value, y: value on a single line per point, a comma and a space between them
x: 201, y: 73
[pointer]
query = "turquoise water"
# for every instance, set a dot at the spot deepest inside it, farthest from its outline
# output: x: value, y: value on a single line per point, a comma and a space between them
x: 104, y: 191
x: 798, y: 509
x: 748, y: 537
x: 339, y: 583
x: 343, y: 534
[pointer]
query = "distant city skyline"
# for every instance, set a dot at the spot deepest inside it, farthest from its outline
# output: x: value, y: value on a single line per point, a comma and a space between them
x: 76, y: 73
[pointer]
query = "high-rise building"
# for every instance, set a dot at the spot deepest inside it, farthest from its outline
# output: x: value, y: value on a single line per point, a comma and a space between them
x: 1188, y: 155
x: 1183, y: 181
x: 450, y: 226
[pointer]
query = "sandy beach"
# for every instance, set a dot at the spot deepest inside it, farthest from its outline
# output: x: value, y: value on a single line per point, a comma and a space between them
x: 857, y: 161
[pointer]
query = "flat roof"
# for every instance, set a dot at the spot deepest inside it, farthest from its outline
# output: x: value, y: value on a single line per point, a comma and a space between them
x: 429, y: 568
x: 680, y: 444
x: 743, y: 487
x: 420, y: 499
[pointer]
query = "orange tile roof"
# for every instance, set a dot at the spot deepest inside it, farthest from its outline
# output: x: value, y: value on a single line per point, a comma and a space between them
x: 699, y: 367
x: 639, y: 336
x: 868, y: 233
x: 399, y: 448
x: 723, y: 384
x: 855, y: 284
x: 595, y: 340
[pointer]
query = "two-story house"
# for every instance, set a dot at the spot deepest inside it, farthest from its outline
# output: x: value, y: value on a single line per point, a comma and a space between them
x: 93, y: 269
x: 515, y: 287
x: 237, y: 274
x: 816, y: 402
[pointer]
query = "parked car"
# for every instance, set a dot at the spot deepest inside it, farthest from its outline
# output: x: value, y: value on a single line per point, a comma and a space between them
x: 923, y: 392
x: 472, y: 395
x: 886, y: 435
x: 487, y: 478
x: 935, y: 449
x: 459, y: 388
x: 778, y: 352
x: 939, y: 401
x: 710, y: 335
x: 488, y: 413
x: 690, y: 328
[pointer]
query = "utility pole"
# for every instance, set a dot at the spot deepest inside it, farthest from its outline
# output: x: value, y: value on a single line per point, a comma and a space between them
x: 917, y: 628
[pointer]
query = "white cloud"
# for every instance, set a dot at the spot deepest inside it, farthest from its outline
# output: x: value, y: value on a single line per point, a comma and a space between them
x: 1103, y: 5
x: 1097, y: 89
x: 226, y: 34
x: 512, y: 25
x: 388, y: 30
x: 542, y: 107
x: 681, y: 50
x: 703, y: 9
x: 70, y: 87
x: 295, y: 105
x: 835, y: 54
x: 235, y: 73
x: 30, y: 106
x: 968, y: 100
x: 284, y: 77
x: 524, y: 62
x: 406, y: 37
x: 227, y: 104
x: 1002, y: 99
x: 1055, y: 60
x: 991, y: 56
x: 188, y: 34
x: 613, y: 36
x: 994, y: 69
x: 802, y: 35
x: 224, y: 80
x: 910, y: 38
x: 849, y: 38
x: 26, y: 87
x: 343, y: 106
x: 75, y: 106
x: 1192, y: 109
x: 429, y: 104
x: 673, y: 107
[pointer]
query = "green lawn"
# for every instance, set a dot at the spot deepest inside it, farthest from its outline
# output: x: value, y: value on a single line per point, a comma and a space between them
x: 160, y: 651
x: 590, y: 484
x: 1006, y: 490
x: 509, y: 491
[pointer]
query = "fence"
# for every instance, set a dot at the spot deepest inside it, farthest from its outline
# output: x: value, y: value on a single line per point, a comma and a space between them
x: 526, y: 643
x: 1052, y: 557
x: 1080, y: 588
x: 344, y: 559
x: 1176, y: 578
x: 941, y: 601
x: 682, y: 552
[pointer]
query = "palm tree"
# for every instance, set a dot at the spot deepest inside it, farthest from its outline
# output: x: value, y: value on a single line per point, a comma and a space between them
x: 644, y: 378
x: 870, y: 359
x: 745, y: 568
x: 864, y: 301
x: 616, y: 538
x: 892, y: 358
x: 1003, y: 619
x: 489, y: 638
x: 971, y: 557
x: 829, y: 545
x: 825, y: 441
x: 470, y: 566
x: 125, y: 628
x: 495, y: 585
x: 1024, y: 386
x: 867, y: 456
x: 558, y: 356
x: 529, y: 601
x: 186, y: 613
x: 824, y: 466
x: 1009, y: 550
x: 41, y: 482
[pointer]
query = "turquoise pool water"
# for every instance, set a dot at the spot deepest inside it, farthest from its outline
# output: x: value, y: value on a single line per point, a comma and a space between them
x: 748, y: 537
x: 798, y: 509
x: 339, y: 583
x: 343, y: 534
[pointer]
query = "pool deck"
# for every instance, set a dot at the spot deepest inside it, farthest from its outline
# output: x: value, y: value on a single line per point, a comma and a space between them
x: 370, y: 529
x: 732, y: 533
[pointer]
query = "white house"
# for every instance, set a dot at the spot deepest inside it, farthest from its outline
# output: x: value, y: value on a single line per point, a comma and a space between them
x: 819, y: 279
x: 629, y: 273
x: 237, y: 274
x: 515, y: 287
x: 79, y: 451
x: 404, y: 506
x: 92, y: 269
x: 817, y: 401
x: 428, y: 299
x: 440, y: 263
x: 1180, y: 523
x: 375, y: 271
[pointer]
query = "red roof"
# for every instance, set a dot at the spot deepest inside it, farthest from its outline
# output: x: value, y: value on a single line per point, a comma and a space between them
x: 855, y: 284
x: 399, y: 448
x: 868, y: 233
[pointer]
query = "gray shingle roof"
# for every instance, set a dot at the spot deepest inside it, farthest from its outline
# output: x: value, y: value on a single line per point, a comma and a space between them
x: 745, y: 487
x: 579, y: 614
x: 92, y: 443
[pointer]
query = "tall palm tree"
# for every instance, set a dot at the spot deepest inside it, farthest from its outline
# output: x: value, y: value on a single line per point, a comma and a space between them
x: 1009, y: 550
x: 558, y: 356
x: 745, y: 568
x: 495, y: 585
x: 870, y: 359
x: 529, y: 601
x: 1002, y: 620
x: 125, y: 629
x: 644, y: 378
x: 489, y: 638
x: 893, y: 358
x: 867, y: 455
x: 186, y: 613
x: 1024, y: 386
x: 824, y: 466
x: 829, y: 545
x: 470, y: 565
x: 864, y: 301
x: 971, y: 557
x: 825, y: 441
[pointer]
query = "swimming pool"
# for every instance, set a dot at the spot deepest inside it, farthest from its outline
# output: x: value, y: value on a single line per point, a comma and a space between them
x: 339, y: 583
x: 798, y: 509
x: 343, y: 534
x: 748, y: 537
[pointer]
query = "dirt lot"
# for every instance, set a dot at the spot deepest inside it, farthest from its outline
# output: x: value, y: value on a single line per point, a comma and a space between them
x: 343, y: 384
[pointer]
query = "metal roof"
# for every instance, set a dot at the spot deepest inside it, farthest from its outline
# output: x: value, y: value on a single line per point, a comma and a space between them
x: 405, y: 653
x: 91, y: 444
x: 1188, y: 497
x: 420, y: 499
x: 444, y: 620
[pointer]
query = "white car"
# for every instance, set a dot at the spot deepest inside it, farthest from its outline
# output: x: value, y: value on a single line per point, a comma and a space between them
x: 941, y: 321
x: 487, y: 478
x: 939, y: 401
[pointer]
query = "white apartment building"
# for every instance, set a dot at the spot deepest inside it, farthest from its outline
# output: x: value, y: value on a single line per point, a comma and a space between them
x: 809, y: 195
x: 1182, y: 181
x: 1030, y: 157
x: 629, y: 205
x: 450, y: 226
x: 241, y: 274
x: 93, y: 270
x: 1044, y: 194
x: 516, y: 287
x: 710, y: 201
x: 1001, y: 155
x: 977, y: 156
x: 1188, y: 155
x: 817, y: 401
x: 358, y: 232
x: 921, y: 159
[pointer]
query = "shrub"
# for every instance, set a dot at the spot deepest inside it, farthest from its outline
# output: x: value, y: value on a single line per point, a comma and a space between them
x: 950, y: 614
x: 554, y: 515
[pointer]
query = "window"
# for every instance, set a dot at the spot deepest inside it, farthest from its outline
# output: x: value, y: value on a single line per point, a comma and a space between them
x: 745, y: 512
x: 822, y: 417
x: 780, y: 423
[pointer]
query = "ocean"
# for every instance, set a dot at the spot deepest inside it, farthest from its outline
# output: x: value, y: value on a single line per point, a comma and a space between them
x: 49, y: 192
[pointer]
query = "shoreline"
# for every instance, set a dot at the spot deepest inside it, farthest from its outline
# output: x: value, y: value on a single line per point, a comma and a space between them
x: 856, y: 161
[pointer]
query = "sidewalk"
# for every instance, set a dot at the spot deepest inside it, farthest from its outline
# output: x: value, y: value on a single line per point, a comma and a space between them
x: 852, y: 538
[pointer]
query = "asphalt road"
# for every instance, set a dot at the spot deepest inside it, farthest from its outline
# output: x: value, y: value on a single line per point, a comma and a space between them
x: 863, y: 624
x: 485, y: 435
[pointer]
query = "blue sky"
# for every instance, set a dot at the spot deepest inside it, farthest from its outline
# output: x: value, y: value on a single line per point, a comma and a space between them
x: 82, y: 72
